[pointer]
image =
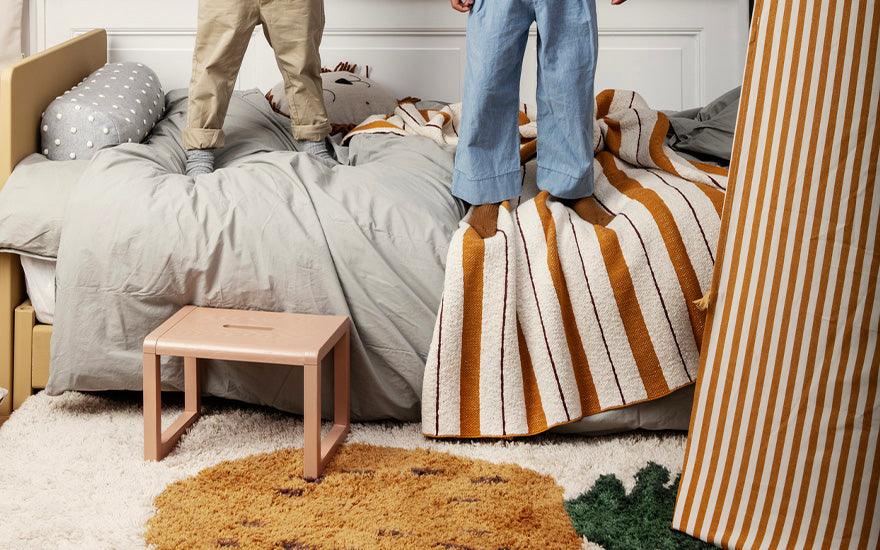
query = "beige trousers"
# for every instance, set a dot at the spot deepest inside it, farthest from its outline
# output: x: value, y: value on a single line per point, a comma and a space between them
x: 293, y: 29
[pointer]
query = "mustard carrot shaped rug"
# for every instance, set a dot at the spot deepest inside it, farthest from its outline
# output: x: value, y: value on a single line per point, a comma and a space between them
x: 370, y: 497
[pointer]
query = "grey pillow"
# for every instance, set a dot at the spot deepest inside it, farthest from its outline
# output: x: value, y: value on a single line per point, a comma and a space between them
x: 33, y: 203
x: 118, y: 103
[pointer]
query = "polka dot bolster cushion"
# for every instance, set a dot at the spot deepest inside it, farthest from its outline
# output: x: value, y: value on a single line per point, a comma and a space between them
x: 118, y: 103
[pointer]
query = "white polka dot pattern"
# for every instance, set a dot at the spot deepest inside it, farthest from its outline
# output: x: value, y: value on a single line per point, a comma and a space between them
x: 82, y: 121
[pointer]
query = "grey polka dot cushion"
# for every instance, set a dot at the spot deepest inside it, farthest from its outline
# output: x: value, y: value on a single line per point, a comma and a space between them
x: 118, y: 103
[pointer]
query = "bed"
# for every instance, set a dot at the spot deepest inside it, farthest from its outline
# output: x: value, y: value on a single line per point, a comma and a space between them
x: 393, y: 392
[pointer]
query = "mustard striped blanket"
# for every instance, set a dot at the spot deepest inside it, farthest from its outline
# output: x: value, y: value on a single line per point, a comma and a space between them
x: 574, y: 308
x: 440, y: 125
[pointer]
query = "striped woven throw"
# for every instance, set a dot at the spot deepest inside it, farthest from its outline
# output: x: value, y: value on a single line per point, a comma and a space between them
x: 576, y: 308
x: 441, y: 125
x: 408, y: 120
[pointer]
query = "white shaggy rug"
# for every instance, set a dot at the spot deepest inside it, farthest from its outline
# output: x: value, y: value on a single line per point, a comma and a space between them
x: 72, y: 473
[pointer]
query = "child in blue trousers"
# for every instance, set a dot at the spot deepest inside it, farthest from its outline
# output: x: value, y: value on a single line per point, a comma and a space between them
x: 487, y: 166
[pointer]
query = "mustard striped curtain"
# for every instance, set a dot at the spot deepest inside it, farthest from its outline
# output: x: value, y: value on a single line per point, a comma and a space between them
x: 783, y: 442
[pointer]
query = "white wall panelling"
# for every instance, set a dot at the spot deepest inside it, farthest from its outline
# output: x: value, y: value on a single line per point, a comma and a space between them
x: 677, y: 53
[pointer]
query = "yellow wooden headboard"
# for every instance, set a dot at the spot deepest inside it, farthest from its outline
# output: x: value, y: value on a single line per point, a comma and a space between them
x: 26, y: 89
x: 29, y: 86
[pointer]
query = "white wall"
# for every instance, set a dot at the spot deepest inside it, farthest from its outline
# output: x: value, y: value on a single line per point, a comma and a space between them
x: 677, y: 53
x: 11, y: 35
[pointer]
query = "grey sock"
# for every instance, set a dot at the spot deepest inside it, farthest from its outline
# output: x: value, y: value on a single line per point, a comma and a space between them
x: 199, y: 162
x: 319, y: 149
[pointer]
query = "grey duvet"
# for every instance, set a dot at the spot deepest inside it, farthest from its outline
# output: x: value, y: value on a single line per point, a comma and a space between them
x: 271, y: 229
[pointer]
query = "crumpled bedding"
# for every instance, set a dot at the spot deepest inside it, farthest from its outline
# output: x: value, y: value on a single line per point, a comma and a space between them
x: 706, y: 133
x: 271, y: 229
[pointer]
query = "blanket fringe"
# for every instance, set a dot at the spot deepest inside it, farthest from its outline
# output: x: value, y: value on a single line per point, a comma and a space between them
x: 706, y: 301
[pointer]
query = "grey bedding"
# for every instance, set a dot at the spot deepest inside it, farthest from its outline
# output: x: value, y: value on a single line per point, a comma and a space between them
x: 706, y: 133
x: 271, y: 230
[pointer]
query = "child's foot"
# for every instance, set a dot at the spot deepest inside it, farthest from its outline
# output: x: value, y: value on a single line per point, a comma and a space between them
x: 199, y: 162
x: 319, y: 149
x: 484, y: 220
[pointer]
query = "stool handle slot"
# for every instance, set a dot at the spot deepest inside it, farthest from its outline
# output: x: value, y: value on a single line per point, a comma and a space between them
x: 248, y: 327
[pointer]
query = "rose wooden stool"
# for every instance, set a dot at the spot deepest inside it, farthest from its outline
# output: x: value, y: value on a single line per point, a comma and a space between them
x: 257, y: 337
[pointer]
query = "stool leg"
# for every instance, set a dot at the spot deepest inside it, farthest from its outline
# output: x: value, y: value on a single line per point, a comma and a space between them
x: 312, y: 422
x: 192, y: 390
x: 152, y: 407
x: 341, y: 381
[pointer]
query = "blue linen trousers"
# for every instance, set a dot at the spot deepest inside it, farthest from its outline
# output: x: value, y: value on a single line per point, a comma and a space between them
x: 487, y: 163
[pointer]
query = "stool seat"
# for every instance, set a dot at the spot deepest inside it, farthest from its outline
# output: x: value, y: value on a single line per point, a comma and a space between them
x: 251, y: 336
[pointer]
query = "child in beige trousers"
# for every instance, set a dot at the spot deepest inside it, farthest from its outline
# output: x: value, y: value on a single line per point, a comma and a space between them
x: 294, y: 29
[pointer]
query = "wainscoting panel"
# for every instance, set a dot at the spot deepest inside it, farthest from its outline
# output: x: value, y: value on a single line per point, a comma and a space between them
x: 678, y: 53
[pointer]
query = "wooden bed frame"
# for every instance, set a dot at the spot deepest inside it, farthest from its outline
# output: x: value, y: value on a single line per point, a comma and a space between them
x: 26, y: 89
